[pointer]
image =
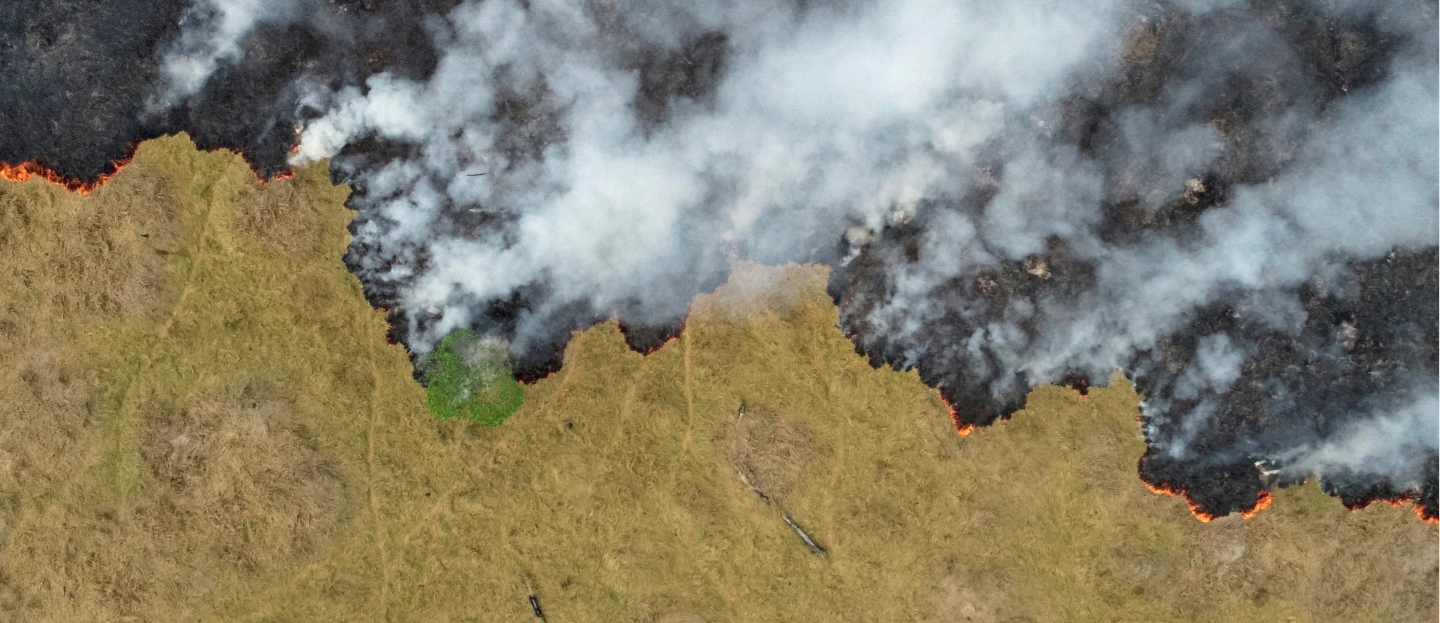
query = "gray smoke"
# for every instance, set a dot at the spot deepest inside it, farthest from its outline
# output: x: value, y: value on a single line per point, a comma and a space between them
x: 823, y: 119
x: 1011, y: 193
x: 211, y: 35
x: 1391, y: 444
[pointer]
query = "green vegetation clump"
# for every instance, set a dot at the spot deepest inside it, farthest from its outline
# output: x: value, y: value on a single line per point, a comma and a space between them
x: 469, y: 378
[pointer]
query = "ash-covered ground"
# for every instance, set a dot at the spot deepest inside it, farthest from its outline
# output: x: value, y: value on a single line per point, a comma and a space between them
x: 1235, y: 203
x: 82, y: 82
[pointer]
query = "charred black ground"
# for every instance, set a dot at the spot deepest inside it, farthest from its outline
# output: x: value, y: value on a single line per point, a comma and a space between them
x: 1355, y: 346
x: 75, y: 79
x: 1362, y: 339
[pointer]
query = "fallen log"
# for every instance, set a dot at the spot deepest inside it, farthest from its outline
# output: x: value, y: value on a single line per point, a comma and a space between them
x: 804, y: 536
x: 809, y: 542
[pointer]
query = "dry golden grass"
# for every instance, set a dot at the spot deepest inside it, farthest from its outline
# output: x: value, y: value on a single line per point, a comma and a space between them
x: 200, y: 420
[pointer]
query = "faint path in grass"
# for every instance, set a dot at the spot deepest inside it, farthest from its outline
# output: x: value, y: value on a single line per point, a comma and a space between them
x: 198, y: 260
x: 689, y: 399
x: 185, y: 293
x: 567, y: 369
x: 120, y: 463
x: 577, y: 340
x: 435, y: 509
x: 374, y: 501
x: 827, y: 500
x: 627, y: 405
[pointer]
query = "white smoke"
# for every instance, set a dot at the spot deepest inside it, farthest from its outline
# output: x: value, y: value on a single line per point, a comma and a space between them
x: 211, y: 34
x: 1389, y: 444
x: 1158, y: 161
x: 1360, y: 186
x: 830, y: 124
x: 822, y: 119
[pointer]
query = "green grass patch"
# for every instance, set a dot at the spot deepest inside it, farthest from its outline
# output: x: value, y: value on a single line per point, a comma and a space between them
x: 468, y: 377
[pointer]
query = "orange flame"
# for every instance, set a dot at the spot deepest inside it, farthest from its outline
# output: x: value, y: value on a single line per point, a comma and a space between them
x: 1262, y: 502
x: 960, y: 427
x: 255, y: 170
x: 31, y: 169
x: 1165, y: 489
x: 1411, y: 498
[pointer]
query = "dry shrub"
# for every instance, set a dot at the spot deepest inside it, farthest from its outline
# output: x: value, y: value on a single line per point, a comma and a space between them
x: 242, y: 472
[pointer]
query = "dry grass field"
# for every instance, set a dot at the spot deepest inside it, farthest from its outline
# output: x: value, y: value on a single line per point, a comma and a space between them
x: 201, y: 420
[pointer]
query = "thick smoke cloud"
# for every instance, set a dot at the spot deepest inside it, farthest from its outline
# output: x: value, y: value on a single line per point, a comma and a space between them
x: 820, y: 120
x: 1235, y: 203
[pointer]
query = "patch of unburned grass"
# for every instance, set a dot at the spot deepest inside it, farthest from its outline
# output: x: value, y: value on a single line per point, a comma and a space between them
x: 200, y: 419
x: 469, y: 378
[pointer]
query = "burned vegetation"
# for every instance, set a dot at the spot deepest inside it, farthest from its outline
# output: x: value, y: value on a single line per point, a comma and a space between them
x: 80, y: 81
x: 1358, y: 340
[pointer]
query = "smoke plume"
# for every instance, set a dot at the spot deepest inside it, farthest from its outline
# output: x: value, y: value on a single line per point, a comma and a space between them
x: 210, y: 35
x: 1235, y: 203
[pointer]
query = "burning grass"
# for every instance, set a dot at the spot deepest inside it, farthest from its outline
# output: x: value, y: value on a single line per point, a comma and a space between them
x: 201, y: 419
x: 1262, y: 502
x: 28, y: 170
